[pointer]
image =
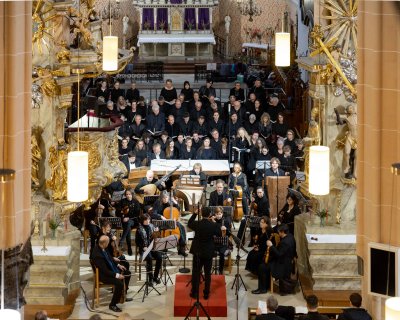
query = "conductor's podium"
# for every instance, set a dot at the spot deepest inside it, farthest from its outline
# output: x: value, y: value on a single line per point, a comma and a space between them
x: 216, y: 305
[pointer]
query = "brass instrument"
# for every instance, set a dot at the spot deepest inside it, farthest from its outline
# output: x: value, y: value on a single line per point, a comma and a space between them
x: 277, y: 238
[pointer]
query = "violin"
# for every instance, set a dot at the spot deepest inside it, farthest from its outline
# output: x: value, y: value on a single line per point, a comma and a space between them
x: 116, y: 252
x: 277, y: 238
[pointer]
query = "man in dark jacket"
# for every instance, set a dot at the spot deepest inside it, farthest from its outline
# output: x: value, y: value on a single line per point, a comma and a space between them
x: 312, y: 306
x: 281, y: 264
x: 203, y: 250
x: 218, y: 197
x: 355, y: 312
x: 109, y: 272
x: 272, y: 305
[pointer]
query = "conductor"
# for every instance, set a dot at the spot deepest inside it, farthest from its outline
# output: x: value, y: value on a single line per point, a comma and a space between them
x: 203, y: 250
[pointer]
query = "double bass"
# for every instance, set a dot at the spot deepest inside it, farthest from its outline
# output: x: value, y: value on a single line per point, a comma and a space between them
x: 238, y: 210
x: 171, y: 213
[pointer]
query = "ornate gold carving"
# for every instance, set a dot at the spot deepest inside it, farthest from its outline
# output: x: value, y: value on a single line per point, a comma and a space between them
x: 64, y: 55
x: 40, y: 33
x: 48, y: 84
x: 58, y: 156
x: 35, y: 161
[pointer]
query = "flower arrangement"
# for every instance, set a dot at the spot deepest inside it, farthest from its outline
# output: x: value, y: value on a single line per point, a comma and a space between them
x: 54, y: 223
x: 323, y: 215
x: 146, y: 25
x: 189, y: 24
x: 256, y: 33
x: 162, y: 25
x: 205, y: 25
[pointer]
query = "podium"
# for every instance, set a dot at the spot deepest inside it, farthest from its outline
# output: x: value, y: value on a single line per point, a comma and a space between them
x: 277, y: 186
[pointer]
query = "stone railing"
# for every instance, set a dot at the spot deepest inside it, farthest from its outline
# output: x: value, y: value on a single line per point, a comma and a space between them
x: 191, y: 3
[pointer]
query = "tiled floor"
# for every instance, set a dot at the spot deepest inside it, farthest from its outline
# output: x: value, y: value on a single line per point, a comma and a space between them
x: 161, y: 307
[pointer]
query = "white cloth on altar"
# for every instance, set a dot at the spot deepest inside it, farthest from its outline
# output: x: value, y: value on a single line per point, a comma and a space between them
x: 175, y: 38
x: 331, y: 238
x: 257, y: 45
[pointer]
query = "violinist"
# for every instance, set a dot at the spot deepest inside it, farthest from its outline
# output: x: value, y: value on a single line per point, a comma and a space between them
x: 238, y: 178
x: 280, y: 266
x: 260, y: 206
x: 91, y: 222
x: 160, y: 210
x: 113, y: 250
x: 256, y: 255
x: 225, y: 225
x: 144, y: 236
x: 130, y: 210
x: 219, y: 197
x: 288, y: 212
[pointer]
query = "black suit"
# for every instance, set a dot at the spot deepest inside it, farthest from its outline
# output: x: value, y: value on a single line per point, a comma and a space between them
x: 280, y: 265
x: 314, y: 316
x: 214, y: 201
x: 269, y: 316
x: 203, y: 250
x: 107, y: 273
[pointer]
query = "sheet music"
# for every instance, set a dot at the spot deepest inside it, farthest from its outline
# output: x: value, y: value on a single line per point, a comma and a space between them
x: 145, y: 254
x: 263, y: 306
x: 166, y: 243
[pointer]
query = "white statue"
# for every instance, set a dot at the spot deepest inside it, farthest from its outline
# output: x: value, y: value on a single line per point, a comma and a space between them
x: 125, y: 21
x: 227, y: 24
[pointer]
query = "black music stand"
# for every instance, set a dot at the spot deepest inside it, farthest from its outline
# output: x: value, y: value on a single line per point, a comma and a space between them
x: 262, y: 166
x: 164, y: 225
x: 146, y: 285
x: 238, y: 282
x: 161, y: 245
x: 114, y: 221
x: 219, y: 241
x: 149, y: 200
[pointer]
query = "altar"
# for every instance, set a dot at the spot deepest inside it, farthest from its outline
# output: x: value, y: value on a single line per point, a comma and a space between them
x: 176, y: 28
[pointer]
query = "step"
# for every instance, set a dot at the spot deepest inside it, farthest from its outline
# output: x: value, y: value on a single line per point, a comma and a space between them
x: 342, y: 265
x: 330, y: 282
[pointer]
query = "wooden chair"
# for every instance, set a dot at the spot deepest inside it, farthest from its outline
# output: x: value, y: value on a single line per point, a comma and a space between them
x: 97, y: 284
x: 86, y: 236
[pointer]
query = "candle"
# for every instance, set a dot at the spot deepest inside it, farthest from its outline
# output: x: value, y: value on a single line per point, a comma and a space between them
x: 44, y: 228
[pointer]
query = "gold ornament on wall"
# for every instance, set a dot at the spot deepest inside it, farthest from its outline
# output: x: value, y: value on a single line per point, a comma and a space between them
x: 36, y: 158
x: 41, y: 15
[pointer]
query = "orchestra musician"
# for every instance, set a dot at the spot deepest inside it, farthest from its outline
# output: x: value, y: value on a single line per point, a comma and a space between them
x: 129, y: 213
x: 238, y: 178
x: 225, y: 225
x: 144, y: 236
x: 219, y: 197
x: 113, y: 250
x: 91, y: 222
x: 203, y: 250
x: 198, y: 171
x: 260, y: 202
x: 109, y: 272
x: 256, y: 255
x: 280, y: 265
x: 149, y: 179
x: 288, y: 212
x: 157, y: 213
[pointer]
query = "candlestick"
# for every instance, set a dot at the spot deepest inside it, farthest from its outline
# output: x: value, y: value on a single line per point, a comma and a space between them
x: 44, y: 229
x: 44, y: 249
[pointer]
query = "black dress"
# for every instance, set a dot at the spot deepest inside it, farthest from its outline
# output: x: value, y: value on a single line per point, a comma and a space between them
x: 206, y: 154
x: 255, y: 257
x: 286, y: 216
x: 169, y: 94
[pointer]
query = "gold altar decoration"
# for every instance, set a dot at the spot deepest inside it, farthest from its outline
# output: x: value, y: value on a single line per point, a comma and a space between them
x: 41, y: 15
x: 58, y: 165
x: 36, y: 157
x: 64, y: 55
x: 316, y: 34
x: 48, y: 86
x: 341, y: 23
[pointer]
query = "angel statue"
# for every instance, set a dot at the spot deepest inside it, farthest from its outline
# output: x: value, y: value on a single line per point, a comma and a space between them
x: 349, y: 142
x: 36, y: 157
x: 58, y: 156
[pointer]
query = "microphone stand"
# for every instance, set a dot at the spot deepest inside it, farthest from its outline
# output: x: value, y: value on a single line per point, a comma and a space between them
x: 183, y: 269
x: 229, y: 136
x: 277, y: 194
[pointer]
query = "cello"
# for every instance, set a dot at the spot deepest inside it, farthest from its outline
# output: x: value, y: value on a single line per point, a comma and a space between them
x: 171, y: 213
x: 238, y: 211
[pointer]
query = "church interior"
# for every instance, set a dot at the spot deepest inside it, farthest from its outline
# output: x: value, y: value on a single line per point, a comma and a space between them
x: 239, y: 144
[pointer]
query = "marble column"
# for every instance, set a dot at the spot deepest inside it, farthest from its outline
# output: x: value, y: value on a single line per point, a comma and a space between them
x: 378, y: 208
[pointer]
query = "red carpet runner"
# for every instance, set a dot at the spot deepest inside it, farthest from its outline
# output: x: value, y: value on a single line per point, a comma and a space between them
x: 216, y: 304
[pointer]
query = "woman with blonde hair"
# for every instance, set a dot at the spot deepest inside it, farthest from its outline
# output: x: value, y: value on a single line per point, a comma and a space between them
x: 265, y: 127
x: 242, y: 146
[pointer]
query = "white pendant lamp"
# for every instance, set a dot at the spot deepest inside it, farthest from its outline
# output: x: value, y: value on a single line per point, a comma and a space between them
x: 110, y: 50
x: 319, y: 170
x: 282, y: 49
x: 392, y: 308
x: 282, y: 45
x: 10, y: 314
x: 77, y: 184
x: 78, y: 165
